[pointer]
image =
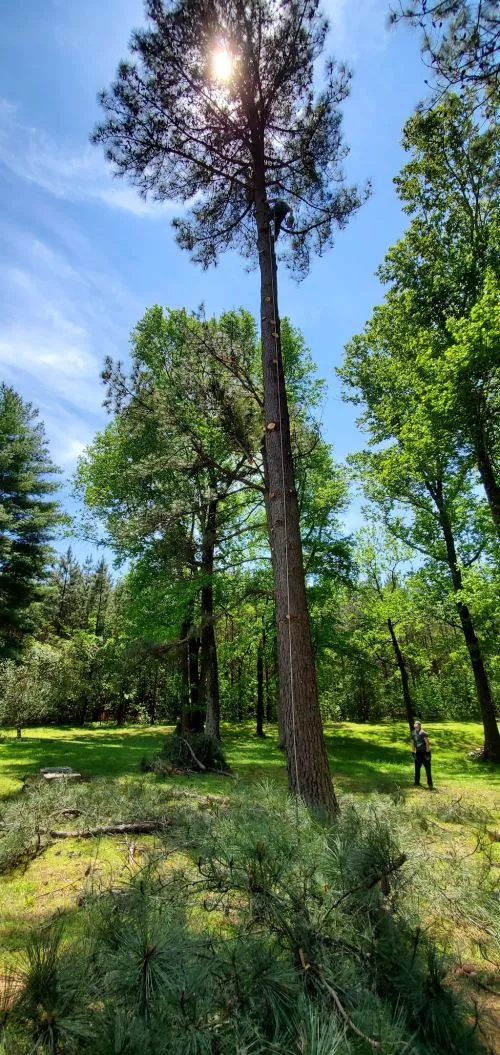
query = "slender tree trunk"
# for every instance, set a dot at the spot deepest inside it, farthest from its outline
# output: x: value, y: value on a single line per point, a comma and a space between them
x: 196, y: 714
x: 488, y: 477
x: 97, y: 626
x: 483, y: 691
x: 191, y: 717
x: 269, y: 702
x: 184, y: 700
x: 154, y: 695
x: 308, y: 770
x: 239, y: 682
x: 260, y: 689
x: 209, y: 664
x: 122, y: 709
x: 404, y: 675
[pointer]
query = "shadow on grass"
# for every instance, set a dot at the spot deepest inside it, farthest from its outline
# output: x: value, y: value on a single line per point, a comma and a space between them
x: 93, y: 753
x: 362, y: 757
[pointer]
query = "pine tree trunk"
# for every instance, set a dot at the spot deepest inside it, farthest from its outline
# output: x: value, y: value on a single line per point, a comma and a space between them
x: 308, y: 770
x: 483, y: 691
x: 404, y: 675
x: 209, y: 663
x: 260, y: 689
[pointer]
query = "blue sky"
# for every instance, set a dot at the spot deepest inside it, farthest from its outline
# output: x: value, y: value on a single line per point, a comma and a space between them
x: 81, y: 256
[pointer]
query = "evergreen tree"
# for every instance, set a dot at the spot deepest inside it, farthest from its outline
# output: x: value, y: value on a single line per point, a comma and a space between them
x: 229, y: 147
x: 28, y: 517
x: 461, y: 40
x: 66, y: 602
x: 100, y: 594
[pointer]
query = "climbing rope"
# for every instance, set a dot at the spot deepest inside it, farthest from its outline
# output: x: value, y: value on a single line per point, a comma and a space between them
x: 285, y: 519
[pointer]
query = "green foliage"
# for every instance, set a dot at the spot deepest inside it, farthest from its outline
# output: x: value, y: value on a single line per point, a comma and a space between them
x: 275, y: 934
x: 460, y: 41
x: 28, y: 518
x: 27, y: 696
x: 174, y: 134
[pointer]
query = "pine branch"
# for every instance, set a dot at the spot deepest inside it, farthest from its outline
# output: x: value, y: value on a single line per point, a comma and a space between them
x: 113, y: 828
x: 343, y: 1013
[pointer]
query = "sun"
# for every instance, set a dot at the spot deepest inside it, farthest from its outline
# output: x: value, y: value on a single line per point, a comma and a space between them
x: 222, y: 64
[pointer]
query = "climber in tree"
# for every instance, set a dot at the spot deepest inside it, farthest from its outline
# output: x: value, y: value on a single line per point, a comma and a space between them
x: 279, y: 210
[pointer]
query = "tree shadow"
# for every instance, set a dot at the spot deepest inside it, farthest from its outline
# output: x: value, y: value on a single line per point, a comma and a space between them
x: 92, y: 753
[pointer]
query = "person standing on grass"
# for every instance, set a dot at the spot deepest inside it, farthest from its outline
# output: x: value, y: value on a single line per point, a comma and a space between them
x: 421, y: 753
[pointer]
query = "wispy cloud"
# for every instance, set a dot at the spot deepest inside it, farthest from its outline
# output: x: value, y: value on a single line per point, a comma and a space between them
x: 56, y: 324
x: 72, y: 173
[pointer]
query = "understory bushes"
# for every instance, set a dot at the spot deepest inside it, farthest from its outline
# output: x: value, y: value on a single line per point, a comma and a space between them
x: 276, y: 935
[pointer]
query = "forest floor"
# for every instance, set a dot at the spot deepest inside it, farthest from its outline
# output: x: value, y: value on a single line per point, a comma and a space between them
x: 453, y: 829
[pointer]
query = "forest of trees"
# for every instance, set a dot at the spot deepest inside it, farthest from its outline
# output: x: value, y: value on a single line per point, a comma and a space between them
x: 236, y: 592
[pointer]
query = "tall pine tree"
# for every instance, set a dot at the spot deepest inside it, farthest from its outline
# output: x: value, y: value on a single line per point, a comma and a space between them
x: 28, y: 516
x: 219, y: 111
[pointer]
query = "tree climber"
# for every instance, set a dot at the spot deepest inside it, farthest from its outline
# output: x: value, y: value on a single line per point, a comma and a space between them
x: 279, y: 209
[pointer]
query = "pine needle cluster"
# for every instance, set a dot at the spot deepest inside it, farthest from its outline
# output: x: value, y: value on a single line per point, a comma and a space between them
x: 278, y: 935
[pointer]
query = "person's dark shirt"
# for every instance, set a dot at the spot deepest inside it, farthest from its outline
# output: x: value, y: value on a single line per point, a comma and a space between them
x: 419, y: 740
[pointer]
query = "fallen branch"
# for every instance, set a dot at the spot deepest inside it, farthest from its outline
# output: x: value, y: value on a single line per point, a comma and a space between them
x: 380, y: 877
x: 343, y: 1013
x: 114, y: 828
x: 190, y: 749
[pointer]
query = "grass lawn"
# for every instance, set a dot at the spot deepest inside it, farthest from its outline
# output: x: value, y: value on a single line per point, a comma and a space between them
x: 364, y: 758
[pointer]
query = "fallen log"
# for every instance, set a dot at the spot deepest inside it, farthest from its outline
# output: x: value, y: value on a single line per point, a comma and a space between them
x: 114, y: 828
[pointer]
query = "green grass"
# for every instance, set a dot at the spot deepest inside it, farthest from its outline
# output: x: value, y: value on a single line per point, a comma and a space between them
x: 364, y: 758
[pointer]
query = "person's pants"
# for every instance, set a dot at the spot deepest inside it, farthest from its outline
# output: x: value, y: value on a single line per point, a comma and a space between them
x: 421, y: 760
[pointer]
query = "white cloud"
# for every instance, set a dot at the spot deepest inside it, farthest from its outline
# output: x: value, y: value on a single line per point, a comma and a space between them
x: 65, y: 172
x: 56, y: 325
x: 67, y: 435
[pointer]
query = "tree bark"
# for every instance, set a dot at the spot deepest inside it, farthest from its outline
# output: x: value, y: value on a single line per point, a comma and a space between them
x: 483, y: 691
x: 192, y: 717
x: 308, y: 769
x: 195, y: 714
x: 404, y: 675
x: 488, y: 477
x: 209, y: 663
x: 260, y: 689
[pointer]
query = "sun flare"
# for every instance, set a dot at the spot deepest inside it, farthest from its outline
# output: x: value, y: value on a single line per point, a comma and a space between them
x: 222, y: 65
